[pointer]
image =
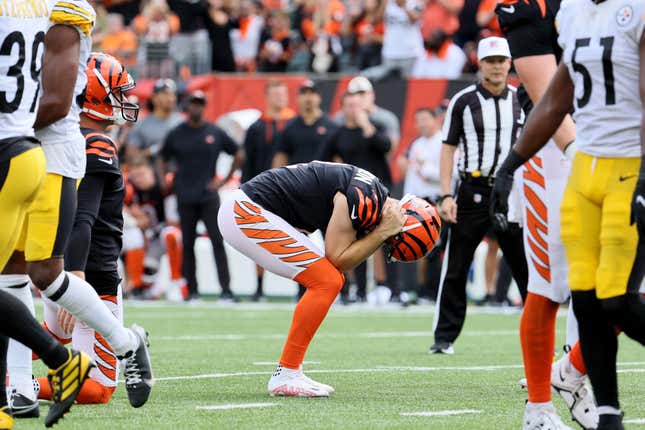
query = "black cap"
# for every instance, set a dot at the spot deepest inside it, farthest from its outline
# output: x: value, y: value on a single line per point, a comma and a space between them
x: 164, y: 85
x: 308, y: 86
x: 197, y: 96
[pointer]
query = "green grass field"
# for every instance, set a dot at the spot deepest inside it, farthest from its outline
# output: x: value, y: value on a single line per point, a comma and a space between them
x: 208, y: 356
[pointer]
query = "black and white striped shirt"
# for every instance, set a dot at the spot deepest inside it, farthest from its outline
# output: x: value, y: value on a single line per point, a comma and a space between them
x: 485, y: 126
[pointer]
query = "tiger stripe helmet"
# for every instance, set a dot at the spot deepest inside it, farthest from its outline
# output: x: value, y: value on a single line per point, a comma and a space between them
x: 420, y: 232
x: 107, y: 83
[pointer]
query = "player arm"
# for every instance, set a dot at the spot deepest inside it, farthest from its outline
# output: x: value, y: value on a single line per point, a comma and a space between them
x: 58, y: 74
x: 341, y: 246
x: 535, y: 72
x: 90, y: 192
x: 544, y: 119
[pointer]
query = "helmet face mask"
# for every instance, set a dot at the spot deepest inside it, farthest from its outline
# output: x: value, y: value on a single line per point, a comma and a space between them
x: 104, y: 101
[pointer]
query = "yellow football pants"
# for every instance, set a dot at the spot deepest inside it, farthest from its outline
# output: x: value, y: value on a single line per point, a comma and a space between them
x: 598, y: 239
x: 20, y: 179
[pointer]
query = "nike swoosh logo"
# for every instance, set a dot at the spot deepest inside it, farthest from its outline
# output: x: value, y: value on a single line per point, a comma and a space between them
x: 640, y: 200
x: 106, y: 161
x: 624, y: 178
x: 508, y: 9
x: 353, y: 215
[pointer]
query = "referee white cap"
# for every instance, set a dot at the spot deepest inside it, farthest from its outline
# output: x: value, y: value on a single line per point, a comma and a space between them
x: 493, y: 47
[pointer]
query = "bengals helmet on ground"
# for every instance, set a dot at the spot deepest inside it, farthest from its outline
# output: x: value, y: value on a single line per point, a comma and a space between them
x: 107, y: 83
x: 420, y: 232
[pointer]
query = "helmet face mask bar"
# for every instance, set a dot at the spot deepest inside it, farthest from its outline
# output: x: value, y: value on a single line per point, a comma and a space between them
x: 105, y: 101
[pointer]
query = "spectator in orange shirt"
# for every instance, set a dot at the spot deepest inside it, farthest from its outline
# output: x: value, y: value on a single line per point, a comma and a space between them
x: 441, y: 15
x: 368, y: 29
x: 119, y: 41
x: 321, y: 16
x: 156, y: 23
x: 487, y: 19
x: 275, y: 44
x: 320, y: 25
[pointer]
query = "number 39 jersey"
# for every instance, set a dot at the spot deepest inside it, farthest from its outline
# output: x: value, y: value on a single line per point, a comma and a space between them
x: 22, y: 41
x: 62, y: 141
x: 601, y: 51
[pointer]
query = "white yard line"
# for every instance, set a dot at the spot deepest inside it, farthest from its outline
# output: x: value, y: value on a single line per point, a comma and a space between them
x: 367, y: 335
x: 384, y: 369
x: 635, y: 421
x: 440, y: 413
x: 235, y: 406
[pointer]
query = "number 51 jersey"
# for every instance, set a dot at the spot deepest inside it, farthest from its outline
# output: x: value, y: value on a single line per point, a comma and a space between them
x: 601, y: 50
x: 22, y: 41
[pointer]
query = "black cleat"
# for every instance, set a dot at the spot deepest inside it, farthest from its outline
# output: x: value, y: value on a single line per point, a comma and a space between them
x: 442, y: 348
x: 66, y: 383
x: 138, y: 372
x: 23, y: 407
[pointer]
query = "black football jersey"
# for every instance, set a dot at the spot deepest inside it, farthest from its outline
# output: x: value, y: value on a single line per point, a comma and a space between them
x: 102, y: 169
x: 303, y: 194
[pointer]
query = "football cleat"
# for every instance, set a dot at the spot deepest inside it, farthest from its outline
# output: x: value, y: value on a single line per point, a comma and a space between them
x: 22, y: 406
x: 542, y: 418
x: 66, y: 383
x: 293, y: 383
x: 6, y: 420
x: 328, y: 388
x: 138, y: 371
x: 442, y: 348
x: 575, y: 393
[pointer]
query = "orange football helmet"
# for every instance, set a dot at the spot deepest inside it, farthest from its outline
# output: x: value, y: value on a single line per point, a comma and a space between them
x: 107, y: 83
x: 420, y: 232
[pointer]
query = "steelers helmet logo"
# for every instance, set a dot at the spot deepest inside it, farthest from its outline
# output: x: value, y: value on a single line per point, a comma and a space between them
x: 624, y: 15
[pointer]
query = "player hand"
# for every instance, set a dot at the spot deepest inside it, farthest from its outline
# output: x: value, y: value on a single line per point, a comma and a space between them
x: 401, y: 3
x: 448, y: 210
x: 638, y: 206
x: 66, y: 321
x: 499, y: 200
x: 392, y: 218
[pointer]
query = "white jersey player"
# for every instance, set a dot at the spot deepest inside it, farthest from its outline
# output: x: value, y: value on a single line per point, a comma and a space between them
x: 601, y: 77
x: 62, y: 141
x: 50, y: 217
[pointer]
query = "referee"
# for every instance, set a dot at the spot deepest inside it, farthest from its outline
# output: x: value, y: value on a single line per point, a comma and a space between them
x: 483, y: 121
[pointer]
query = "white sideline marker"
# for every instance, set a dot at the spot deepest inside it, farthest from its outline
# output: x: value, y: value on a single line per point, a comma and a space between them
x: 635, y: 421
x: 440, y: 413
x: 235, y: 406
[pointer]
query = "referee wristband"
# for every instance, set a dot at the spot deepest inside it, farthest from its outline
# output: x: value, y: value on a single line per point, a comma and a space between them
x: 444, y: 197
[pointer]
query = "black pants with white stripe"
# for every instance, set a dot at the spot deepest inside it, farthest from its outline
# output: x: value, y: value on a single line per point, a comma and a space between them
x: 472, y: 224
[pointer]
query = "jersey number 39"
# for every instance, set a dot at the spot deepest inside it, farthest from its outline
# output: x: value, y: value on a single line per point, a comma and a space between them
x: 16, y: 70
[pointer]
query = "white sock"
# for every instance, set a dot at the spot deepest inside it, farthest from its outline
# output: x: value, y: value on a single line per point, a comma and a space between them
x: 572, y: 326
x: 608, y: 410
x: 540, y: 405
x: 19, y: 366
x: 80, y: 299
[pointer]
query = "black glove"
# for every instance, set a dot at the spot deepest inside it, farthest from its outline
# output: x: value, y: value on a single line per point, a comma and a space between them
x: 502, y: 189
x: 638, y: 201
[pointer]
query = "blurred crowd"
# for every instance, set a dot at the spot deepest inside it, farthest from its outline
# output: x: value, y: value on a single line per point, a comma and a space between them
x: 177, y: 38
x: 170, y: 162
